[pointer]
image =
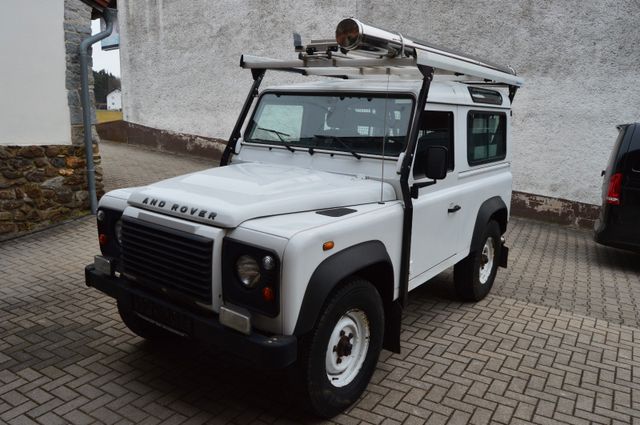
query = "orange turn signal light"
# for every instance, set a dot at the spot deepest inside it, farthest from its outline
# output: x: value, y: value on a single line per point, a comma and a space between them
x: 268, y: 294
x: 327, y: 245
x: 103, y: 239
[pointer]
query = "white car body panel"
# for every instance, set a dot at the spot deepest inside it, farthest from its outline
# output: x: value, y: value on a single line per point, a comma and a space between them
x: 304, y: 233
x: 240, y: 192
x: 117, y: 199
x: 328, y: 161
x: 304, y: 250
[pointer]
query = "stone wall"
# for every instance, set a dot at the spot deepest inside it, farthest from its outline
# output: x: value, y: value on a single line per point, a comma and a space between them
x: 42, y: 185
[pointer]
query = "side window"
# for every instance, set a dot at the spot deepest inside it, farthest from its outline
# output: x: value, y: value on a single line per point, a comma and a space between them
x: 615, y: 152
x: 634, y: 153
x: 486, y: 137
x: 436, y: 129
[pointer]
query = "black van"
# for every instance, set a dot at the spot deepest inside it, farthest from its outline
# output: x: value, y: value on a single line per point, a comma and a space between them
x: 619, y: 221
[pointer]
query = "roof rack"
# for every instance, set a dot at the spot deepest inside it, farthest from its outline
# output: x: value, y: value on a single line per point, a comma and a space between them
x: 364, y: 51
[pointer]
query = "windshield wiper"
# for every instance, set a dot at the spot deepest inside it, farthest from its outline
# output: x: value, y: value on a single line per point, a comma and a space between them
x: 339, y: 140
x: 279, y: 134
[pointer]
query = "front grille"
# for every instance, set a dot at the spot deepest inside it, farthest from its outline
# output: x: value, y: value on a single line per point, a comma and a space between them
x: 166, y: 259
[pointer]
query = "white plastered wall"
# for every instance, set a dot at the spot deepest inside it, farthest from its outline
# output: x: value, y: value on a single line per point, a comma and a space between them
x: 33, y: 96
x: 580, y: 59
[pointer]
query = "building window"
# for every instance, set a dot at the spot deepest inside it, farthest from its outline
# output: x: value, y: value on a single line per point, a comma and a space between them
x: 486, y: 137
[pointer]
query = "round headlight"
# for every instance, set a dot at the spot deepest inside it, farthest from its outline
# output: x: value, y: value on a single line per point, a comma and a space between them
x: 100, y: 215
x: 248, y: 271
x: 117, y: 228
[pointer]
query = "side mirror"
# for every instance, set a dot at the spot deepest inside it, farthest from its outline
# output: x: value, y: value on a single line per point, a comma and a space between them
x: 437, y: 162
x: 435, y: 167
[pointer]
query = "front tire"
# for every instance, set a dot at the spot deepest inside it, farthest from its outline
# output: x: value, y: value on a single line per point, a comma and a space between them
x: 340, y: 354
x: 473, y: 277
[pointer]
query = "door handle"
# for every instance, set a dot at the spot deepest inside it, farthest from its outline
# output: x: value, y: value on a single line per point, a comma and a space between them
x: 454, y: 208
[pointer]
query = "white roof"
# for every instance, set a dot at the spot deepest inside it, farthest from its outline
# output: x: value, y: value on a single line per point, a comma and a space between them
x: 441, y: 91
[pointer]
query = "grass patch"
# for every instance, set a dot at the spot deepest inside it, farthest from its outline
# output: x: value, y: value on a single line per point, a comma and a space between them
x: 107, y: 116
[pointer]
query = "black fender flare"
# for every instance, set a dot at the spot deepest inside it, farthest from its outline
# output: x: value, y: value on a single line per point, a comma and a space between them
x: 331, y: 272
x: 488, y: 208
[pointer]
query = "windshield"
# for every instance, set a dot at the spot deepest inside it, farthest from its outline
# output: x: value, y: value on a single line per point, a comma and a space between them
x: 350, y: 122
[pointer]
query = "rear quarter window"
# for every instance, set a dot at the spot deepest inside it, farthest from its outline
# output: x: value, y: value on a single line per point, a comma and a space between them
x: 486, y: 137
x: 615, y: 151
x: 635, y: 139
x: 633, y: 154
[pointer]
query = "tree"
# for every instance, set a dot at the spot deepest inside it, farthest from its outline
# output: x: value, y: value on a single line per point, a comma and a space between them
x: 103, y: 84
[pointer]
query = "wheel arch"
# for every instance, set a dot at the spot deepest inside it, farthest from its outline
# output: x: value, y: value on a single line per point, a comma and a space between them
x: 491, y: 209
x: 368, y: 260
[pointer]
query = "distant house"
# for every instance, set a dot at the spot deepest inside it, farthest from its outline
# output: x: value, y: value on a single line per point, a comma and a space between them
x: 114, y: 100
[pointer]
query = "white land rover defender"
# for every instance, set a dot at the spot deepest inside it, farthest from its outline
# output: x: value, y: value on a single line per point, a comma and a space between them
x: 334, y: 199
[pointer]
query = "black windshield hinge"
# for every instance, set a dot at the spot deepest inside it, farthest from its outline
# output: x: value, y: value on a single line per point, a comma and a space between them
x: 415, y: 188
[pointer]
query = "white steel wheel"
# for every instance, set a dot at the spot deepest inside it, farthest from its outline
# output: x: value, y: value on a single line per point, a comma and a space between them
x: 338, y: 357
x: 347, y: 348
x: 473, y: 277
x: 487, y: 258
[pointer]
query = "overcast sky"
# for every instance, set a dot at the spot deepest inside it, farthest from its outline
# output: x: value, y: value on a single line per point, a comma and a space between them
x: 104, y: 60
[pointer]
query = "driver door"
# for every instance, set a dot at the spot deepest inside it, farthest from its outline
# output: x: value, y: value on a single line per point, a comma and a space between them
x: 436, y: 221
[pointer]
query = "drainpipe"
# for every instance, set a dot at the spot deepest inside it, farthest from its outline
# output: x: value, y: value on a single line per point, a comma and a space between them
x: 109, y: 16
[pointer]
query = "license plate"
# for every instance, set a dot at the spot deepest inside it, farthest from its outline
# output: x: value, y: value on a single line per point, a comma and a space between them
x: 165, y: 316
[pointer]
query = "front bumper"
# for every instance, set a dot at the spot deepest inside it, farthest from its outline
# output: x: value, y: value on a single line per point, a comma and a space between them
x: 264, y: 351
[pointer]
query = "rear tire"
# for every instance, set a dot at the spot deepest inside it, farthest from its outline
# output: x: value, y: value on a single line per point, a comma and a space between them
x: 473, y: 277
x: 141, y: 327
x: 340, y: 354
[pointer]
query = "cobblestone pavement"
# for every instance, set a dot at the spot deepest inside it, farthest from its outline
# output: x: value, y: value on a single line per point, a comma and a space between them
x: 126, y: 166
x: 556, y: 342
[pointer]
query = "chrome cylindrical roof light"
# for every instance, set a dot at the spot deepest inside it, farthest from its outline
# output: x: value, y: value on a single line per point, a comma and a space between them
x: 351, y: 34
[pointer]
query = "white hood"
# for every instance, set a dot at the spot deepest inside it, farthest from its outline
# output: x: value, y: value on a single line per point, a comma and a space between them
x: 228, y: 196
